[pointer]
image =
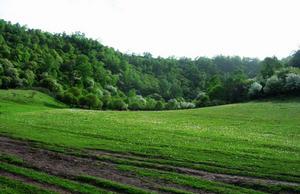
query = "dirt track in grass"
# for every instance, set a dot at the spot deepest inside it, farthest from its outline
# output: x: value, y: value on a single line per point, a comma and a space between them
x: 226, y: 178
x: 34, y: 183
x: 69, y: 166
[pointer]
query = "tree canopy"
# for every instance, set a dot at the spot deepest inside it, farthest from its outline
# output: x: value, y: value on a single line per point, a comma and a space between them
x: 84, y: 73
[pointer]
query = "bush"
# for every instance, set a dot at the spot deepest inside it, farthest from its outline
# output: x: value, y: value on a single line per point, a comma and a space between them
x: 51, y: 84
x: 202, y: 99
x: 255, y: 90
x: 75, y: 91
x: 118, y: 104
x: 69, y: 98
x: 172, y: 104
x: 29, y: 78
x: 1, y: 70
x: 216, y: 92
x: 6, y: 82
x: 150, y: 104
x: 89, y: 82
x: 155, y: 96
x: 273, y: 85
x: 90, y: 101
x: 113, y: 90
x: 106, y: 99
x: 137, y: 103
x: 159, y: 105
x: 292, y: 83
x: 187, y: 105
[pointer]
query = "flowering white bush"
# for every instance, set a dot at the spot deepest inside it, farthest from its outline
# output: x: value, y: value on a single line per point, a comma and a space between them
x: 292, y: 82
x: 255, y: 89
x: 187, y: 105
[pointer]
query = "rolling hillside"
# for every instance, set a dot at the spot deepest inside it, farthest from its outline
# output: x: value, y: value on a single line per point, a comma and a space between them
x: 239, y: 148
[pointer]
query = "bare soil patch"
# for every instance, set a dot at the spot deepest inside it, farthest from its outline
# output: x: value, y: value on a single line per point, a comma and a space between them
x: 70, y: 166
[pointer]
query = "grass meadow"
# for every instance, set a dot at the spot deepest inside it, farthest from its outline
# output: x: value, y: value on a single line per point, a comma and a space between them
x: 174, y: 151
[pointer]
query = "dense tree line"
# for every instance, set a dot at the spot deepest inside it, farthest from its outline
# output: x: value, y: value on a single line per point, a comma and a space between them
x: 84, y: 73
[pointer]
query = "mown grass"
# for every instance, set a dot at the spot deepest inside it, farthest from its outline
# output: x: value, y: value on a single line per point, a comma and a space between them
x: 259, y: 139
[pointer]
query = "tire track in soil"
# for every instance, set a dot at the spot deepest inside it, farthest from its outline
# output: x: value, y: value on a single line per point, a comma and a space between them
x: 69, y: 166
x: 226, y: 178
x: 34, y: 183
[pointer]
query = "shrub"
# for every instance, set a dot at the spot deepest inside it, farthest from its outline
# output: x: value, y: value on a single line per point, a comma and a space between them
x: 17, y: 82
x: 187, y: 105
x: 113, y: 90
x: 6, y: 82
x: 75, y: 91
x: 155, y: 96
x: 98, y: 92
x: 202, y: 99
x: 90, y: 101
x: 273, y: 85
x: 150, y: 104
x: 255, y: 90
x: 137, y: 103
x: 295, y: 60
x: 51, y: 84
x: 118, y: 104
x: 69, y: 98
x: 1, y: 69
x: 292, y: 82
x: 216, y: 92
x: 159, y: 105
x: 29, y: 77
x: 106, y: 99
x: 173, y: 104
x: 89, y: 82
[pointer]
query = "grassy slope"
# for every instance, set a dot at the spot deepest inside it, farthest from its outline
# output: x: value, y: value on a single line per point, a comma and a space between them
x: 257, y: 139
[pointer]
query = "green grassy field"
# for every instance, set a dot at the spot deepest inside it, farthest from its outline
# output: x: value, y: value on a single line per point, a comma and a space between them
x: 182, y: 151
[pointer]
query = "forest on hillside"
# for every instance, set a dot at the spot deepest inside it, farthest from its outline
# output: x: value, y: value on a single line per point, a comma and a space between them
x: 82, y: 72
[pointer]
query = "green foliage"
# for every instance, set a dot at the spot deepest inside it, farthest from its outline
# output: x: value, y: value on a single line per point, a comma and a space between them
x: 137, y: 103
x: 273, y: 85
x: 172, y: 104
x: 202, y: 99
x: 51, y: 84
x: 118, y: 104
x: 57, y: 62
x: 69, y: 98
x: 295, y: 61
x: 255, y: 90
x: 292, y: 83
x: 90, y: 101
x: 269, y: 66
x: 159, y: 105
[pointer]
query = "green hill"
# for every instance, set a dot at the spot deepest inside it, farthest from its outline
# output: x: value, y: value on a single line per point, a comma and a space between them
x: 82, y: 72
x: 26, y: 100
x: 169, y: 149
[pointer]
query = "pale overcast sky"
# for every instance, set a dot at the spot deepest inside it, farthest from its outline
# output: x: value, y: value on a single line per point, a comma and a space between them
x: 253, y: 28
